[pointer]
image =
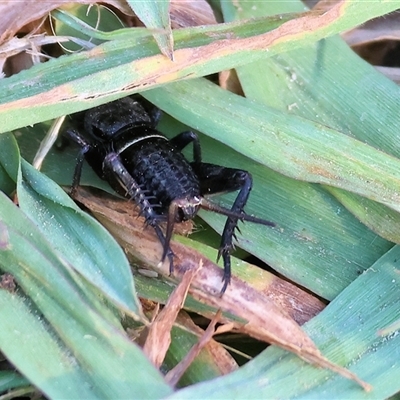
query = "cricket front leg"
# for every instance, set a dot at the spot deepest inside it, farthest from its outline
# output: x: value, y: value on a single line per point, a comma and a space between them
x: 116, y: 172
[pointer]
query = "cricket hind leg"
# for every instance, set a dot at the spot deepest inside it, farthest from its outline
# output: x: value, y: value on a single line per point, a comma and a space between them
x: 217, y: 179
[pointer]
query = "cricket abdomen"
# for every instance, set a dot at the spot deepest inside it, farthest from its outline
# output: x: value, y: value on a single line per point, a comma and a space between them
x: 158, y: 167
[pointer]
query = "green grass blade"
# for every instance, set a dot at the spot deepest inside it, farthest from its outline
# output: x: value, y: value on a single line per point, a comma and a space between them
x: 382, y: 220
x: 103, y: 356
x: 118, y: 68
x: 78, y: 26
x: 82, y: 242
x: 314, y: 232
x: 87, y: 26
x: 155, y: 14
x: 35, y: 346
x: 9, y: 164
x: 346, y: 332
x: 320, y: 83
x: 288, y: 144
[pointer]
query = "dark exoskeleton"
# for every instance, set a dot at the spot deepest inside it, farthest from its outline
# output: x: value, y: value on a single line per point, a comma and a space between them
x: 120, y: 142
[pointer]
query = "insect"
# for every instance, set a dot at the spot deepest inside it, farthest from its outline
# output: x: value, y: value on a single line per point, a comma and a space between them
x: 121, y: 143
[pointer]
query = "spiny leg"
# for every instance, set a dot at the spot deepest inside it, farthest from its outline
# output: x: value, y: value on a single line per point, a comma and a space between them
x: 85, y: 147
x: 172, y: 213
x: 186, y: 207
x: 113, y: 167
x: 243, y: 179
x: 215, y: 179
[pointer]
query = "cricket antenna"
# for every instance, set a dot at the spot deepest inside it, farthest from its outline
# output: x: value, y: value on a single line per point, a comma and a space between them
x: 207, y: 205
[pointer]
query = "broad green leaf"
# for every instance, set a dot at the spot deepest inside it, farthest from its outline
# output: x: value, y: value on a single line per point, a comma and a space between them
x: 382, y: 220
x: 80, y: 240
x: 98, y: 352
x: 35, y: 347
x: 294, y: 146
x: 320, y: 83
x: 121, y: 67
x: 346, y: 332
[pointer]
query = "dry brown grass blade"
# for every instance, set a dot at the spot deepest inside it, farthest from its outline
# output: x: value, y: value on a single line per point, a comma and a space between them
x: 300, y: 305
x: 159, y: 335
x: 222, y: 359
x: 175, y: 374
x: 262, y: 318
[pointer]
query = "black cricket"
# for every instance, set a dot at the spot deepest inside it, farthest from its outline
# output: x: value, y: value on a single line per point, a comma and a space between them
x: 120, y: 142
